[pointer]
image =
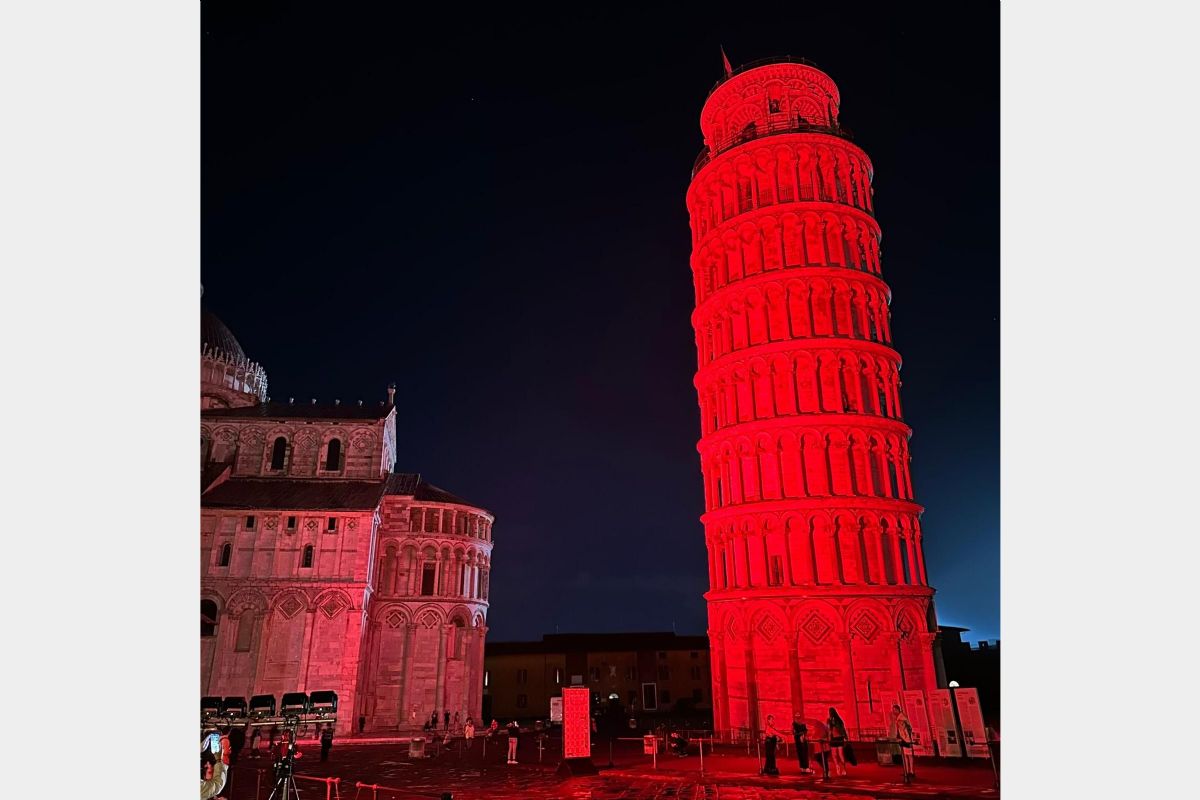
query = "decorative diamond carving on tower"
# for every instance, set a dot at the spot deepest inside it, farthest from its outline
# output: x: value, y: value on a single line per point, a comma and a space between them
x: 333, y: 606
x: 816, y: 628
x: 769, y: 627
x: 290, y: 607
x: 866, y: 627
x: 394, y: 620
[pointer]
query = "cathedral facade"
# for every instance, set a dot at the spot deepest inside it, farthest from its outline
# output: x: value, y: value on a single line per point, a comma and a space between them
x: 324, y: 569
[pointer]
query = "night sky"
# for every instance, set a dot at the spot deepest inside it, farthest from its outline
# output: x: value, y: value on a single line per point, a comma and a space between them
x: 489, y: 211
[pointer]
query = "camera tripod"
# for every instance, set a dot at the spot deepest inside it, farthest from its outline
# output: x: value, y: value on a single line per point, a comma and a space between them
x: 285, y: 784
x: 285, y: 780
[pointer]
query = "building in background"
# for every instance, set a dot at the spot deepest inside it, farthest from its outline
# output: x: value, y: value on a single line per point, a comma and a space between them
x: 321, y: 568
x: 655, y: 673
x: 973, y: 666
x: 818, y: 593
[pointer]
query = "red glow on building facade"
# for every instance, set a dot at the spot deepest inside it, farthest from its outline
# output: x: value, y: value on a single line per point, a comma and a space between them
x: 818, y: 593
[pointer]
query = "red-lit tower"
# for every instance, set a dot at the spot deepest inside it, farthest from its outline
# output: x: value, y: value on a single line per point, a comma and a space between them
x: 818, y: 595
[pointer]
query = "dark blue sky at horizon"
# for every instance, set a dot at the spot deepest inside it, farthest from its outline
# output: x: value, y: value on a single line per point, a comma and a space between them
x: 489, y: 211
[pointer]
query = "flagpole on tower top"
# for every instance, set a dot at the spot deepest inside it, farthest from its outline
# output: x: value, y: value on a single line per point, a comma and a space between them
x: 725, y: 59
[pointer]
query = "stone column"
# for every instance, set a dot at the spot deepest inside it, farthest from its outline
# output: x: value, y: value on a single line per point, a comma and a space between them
x: 476, y: 678
x: 875, y: 541
x: 439, y: 691
x: 927, y: 640
x: 851, y: 683
x: 719, y: 690
x: 405, y: 680
x: 894, y: 641
x: 306, y: 648
x: 914, y: 570
x: 894, y: 535
x: 921, y: 558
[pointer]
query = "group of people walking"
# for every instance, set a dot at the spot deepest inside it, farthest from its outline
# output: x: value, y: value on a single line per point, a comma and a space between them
x: 828, y: 744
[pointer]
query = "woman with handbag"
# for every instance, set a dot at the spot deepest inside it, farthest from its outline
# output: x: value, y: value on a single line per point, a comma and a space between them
x: 904, y: 734
x: 837, y: 742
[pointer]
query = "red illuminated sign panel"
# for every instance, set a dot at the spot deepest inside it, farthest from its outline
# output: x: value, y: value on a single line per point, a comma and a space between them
x: 577, y: 729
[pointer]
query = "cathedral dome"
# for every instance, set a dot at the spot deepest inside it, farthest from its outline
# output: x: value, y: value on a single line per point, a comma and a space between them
x: 228, y: 378
x: 215, y: 335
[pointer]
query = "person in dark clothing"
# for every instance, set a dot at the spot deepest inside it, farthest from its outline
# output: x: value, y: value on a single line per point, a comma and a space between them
x: 837, y: 742
x: 362, y: 723
x: 433, y: 721
x: 800, y: 739
x: 446, y: 718
x: 326, y: 742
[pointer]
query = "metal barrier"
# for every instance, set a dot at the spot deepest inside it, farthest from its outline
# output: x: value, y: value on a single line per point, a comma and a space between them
x: 375, y: 789
x: 331, y: 785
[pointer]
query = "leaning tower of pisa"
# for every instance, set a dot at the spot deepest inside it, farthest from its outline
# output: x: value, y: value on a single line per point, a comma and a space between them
x: 818, y: 593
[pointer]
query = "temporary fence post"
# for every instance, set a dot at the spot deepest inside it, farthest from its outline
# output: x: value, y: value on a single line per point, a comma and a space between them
x: 257, y: 783
x: 702, y: 756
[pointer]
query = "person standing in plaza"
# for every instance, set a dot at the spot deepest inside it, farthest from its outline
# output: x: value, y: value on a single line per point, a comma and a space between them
x: 904, y: 735
x: 800, y: 740
x: 326, y: 742
x: 771, y: 737
x: 255, y: 733
x: 514, y: 733
x: 837, y: 742
x: 446, y: 721
x: 469, y: 732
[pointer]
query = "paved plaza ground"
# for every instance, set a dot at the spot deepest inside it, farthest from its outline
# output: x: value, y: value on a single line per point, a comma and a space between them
x: 730, y: 774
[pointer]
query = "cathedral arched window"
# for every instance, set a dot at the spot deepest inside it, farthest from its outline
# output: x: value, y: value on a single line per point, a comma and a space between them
x: 333, y: 455
x: 226, y: 552
x: 208, y: 618
x: 278, y: 453
x: 308, y: 557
